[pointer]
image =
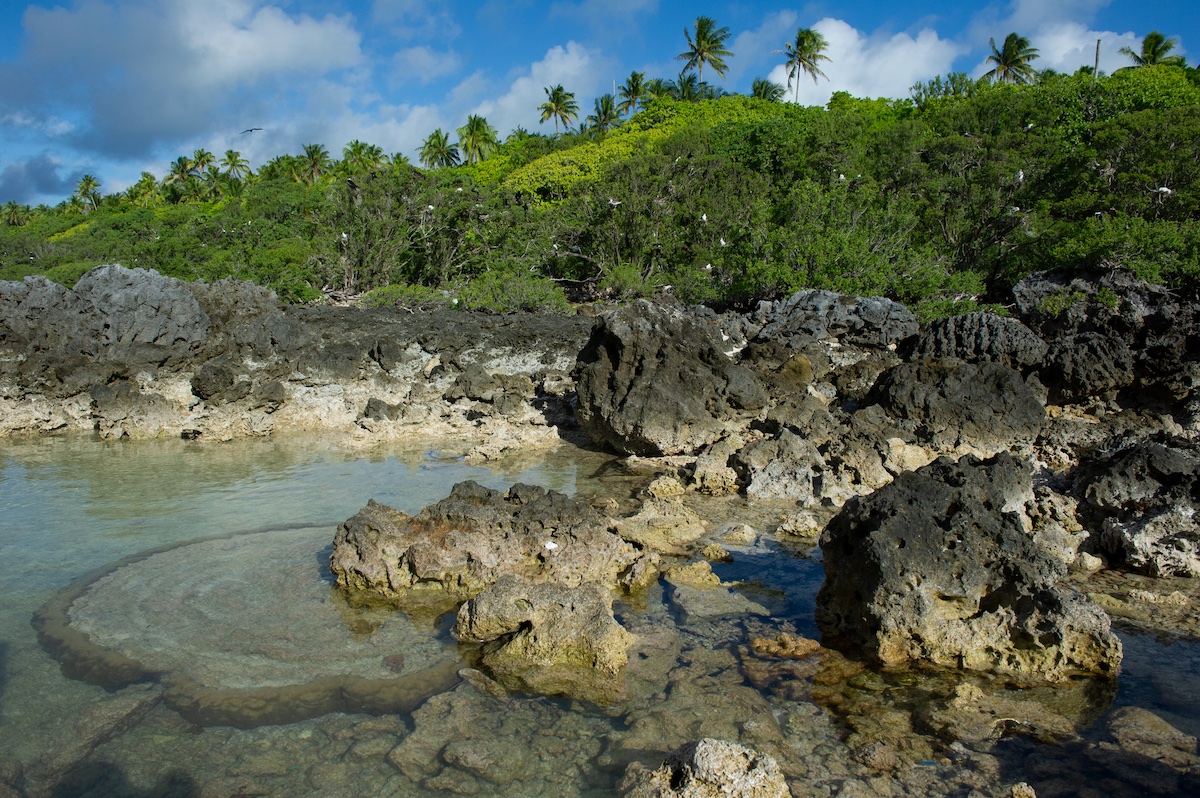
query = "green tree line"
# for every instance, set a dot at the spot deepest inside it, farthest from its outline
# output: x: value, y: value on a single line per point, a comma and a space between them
x: 941, y: 200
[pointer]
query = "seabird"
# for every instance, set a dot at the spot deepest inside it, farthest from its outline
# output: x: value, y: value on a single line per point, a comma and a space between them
x: 249, y: 130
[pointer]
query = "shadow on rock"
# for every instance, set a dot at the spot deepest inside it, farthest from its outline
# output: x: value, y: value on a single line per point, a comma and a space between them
x: 105, y: 780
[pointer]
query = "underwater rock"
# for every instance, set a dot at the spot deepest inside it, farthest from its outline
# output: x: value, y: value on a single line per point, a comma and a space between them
x: 659, y: 381
x: 941, y: 567
x: 548, y: 639
x: 455, y: 548
x: 1142, y: 502
x: 708, y: 769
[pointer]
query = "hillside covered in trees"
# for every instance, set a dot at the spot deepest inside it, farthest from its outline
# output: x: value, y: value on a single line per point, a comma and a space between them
x: 941, y: 200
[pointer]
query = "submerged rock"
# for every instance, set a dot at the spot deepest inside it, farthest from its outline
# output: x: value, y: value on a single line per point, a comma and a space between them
x: 548, y: 639
x: 708, y: 769
x: 941, y: 567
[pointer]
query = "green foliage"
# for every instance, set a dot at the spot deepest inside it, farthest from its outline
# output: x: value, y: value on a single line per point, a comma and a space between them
x: 500, y: 291
x: 399, y: 295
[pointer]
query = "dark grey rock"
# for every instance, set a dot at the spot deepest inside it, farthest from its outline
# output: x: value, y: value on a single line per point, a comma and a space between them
x: 950, y: 403
x: 981, y: 338
x: 811, y: 316
x: 1086, y: 364
x: 1142, y: 504
x: 941, y: 567
x: 655, y: 381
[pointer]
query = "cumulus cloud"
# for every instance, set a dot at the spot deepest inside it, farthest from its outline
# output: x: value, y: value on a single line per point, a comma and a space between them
x: 872, y: 66
x: 422, y: 65
x: 410, y: 19
x: 144, y: 73
x: 42, y: 178
x: 582, y: 70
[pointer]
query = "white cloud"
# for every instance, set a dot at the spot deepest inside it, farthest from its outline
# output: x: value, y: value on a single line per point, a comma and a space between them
x: 1067, y: 46
x: 577, y: 68
x: 875, y: 66
x: 422, y: 65
x: 410, y: 19
x: 755, y: 48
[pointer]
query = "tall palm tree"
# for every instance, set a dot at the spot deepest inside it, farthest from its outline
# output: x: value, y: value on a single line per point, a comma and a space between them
x: 804, y: 57
x: 145, y: 191
x: 179, y: 171
x: 1012, y: 60
x: 15, y: 214
x: 201, y: 160
x: 234, y: 164
x: 437, y: 151
x: 359, y: 156
x: 632, y: 92
x: 605, y: 116
x: 1154, y: 51
x: 88, y: 190
x: 707, y: 47
x: 658, y: 88
x: 768, y: 90
x: 560, y: 105
x: 477, y: 139
x: 314, y: 163
x: 688, y: 88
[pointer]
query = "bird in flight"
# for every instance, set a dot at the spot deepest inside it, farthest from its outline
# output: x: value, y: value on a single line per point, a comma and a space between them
x: 249, y: 130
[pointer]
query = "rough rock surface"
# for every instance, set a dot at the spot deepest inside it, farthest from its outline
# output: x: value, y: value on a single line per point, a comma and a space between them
x: 981, y: 338
x: 548, y: 639
x: 654, y: 380
x: 1142, y: 502
x: 455, y: 548
x: 811, y: 316
x: 941, y: 567
x: 708, y: 769
x: 950, y: 404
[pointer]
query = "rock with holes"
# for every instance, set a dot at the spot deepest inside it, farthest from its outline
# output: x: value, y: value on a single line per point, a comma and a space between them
x: 942, y: 567
x: 981, y: 338
x: 455, y: 548
x: 708, y: 769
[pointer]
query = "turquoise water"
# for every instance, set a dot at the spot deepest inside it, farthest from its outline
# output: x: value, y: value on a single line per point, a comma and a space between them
x: 70, y: 505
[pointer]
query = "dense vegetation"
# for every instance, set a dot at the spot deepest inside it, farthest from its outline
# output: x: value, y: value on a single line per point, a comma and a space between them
x: 941, y: 201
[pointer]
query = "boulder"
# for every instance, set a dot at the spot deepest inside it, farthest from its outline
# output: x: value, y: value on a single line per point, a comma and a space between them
x: 1086, y: 364
x: 708, y: 768
x: 547, y: 638
x: 941, y: 567
x: 455, y: 548
x: 658, y: 381
x: 1142, y: 504
x: 981, y: 338
x: 948, y: 404
x: 811, y: 316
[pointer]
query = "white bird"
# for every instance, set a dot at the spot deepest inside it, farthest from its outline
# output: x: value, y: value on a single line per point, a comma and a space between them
x: 841, y: 177
x: 1166, y: 192
x: 345, y: 236
x: 708, y: 267
x: 1020, y: 175
x: 613, y: 202
x: 1013, y: 209
x: 458, y: 190
x: 428, y: 207
x: 704, y: 217
x: 724, y: 243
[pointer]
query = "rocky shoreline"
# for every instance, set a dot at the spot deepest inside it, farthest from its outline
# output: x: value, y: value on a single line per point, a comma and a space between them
x: 990, y: 494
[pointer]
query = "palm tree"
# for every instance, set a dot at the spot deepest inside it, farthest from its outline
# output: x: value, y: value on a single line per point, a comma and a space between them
x: 202, y: 159
x: 605, y: 116
x: 314, y: 163
x: 804, y: 56
x: 477, y: 139
x: 234, y: 164
x: 437, y: 151
x: 16, y: 215
x: 1154, y: 52
x: 768, y: 90
x: 359, y: 156
x: 708, y: 47
x: 88, y: 190
x: 687, y: 88
x: 560, y: 105
x: 1012, y: 61
x: 657, y: 89
x: 145, y: 191
x: 179, y: 172
x: 632, y: 92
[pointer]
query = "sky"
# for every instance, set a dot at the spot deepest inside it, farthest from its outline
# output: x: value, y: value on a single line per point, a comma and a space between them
x: 116, y: 87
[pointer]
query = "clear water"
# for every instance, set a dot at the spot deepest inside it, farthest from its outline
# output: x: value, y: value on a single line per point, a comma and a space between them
x: 70, y: 505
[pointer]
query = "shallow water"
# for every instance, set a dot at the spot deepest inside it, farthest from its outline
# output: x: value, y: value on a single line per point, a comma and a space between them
x: 268, y: 510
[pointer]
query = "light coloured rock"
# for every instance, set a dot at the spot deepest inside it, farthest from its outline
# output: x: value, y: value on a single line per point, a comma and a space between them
x: 708, y: 769
x: 662, y: 525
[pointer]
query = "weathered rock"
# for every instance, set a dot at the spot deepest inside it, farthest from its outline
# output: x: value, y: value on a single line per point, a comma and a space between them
x: 548, y: 639
x: 1143, y: 503
x: 661, y: 525
x: 981, y: 338
x: 708, y: 769
x: 940, y: 566
x: 1087, y: 364
x: 950, y: 404
x: 655, y: 381
x: 453, y: 549
x: 811, y: 316
x: 783, y: 467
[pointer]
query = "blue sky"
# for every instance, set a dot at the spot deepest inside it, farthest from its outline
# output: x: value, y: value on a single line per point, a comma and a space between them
x: 115, y: 87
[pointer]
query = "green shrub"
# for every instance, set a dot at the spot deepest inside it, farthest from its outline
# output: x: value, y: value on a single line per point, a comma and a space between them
x: 506, y: 292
